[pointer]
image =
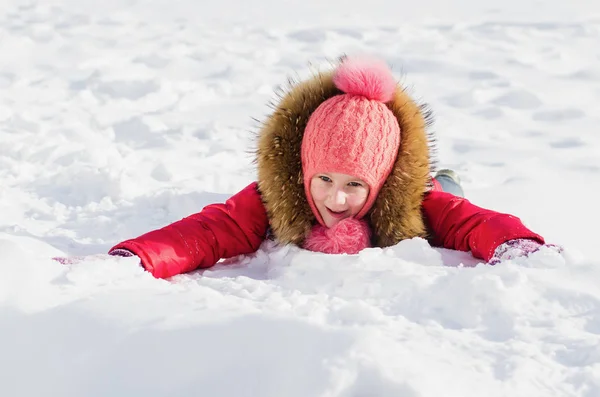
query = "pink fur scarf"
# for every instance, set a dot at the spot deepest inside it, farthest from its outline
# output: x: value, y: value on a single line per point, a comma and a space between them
x: 349, y: 236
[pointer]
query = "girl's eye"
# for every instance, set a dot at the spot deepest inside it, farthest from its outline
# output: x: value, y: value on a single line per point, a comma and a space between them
x: 354, y: 184
x: 325, y: 178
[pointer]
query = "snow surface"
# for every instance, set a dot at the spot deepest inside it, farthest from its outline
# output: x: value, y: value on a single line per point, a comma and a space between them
x: 118, y: 117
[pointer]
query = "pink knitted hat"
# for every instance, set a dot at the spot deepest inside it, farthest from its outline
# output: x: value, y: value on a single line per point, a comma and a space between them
x: 354, y: 133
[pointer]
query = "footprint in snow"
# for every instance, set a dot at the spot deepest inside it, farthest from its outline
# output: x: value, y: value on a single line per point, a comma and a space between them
x: 558, y: 115
x: 462, y: 101
x: 309, y: 35
x: 568, y: 143
x: 490, y: 113
x: 137, y: 134
x: 153, y: 61
x: 585, y: 75
x: 121, y: 89
x: 518, y: 99
x: 350, y: 33
x: 534, y: 133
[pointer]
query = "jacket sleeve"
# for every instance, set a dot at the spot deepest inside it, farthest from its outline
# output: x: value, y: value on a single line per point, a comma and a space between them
x: 456, y: 223
x: 236, y: 227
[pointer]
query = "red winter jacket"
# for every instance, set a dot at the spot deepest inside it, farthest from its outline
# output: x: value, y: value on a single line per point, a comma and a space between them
x: 240, y: 225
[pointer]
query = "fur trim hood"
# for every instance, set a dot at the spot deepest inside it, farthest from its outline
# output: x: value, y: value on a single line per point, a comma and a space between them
x: 396, y: 214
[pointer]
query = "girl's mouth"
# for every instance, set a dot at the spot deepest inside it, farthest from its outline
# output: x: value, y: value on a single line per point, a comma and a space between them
x: 337, y: 215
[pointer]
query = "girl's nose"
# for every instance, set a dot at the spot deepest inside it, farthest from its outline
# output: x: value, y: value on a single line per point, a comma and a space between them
x: 339, y: 197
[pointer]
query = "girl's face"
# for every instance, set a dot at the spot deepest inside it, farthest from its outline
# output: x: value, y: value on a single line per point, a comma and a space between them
x: 338, y: 196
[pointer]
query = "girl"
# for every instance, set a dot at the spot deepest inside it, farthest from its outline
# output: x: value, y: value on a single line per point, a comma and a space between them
x: 343, y: 164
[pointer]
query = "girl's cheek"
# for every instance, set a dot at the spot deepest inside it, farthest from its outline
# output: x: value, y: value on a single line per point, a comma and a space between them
x: 318, y: 191
x: 358, y: 199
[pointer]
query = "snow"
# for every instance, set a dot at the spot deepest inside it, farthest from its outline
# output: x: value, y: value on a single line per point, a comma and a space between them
x: 118, y: 117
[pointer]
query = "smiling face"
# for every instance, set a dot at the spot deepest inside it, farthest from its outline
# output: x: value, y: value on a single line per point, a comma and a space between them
x: 338, y: 196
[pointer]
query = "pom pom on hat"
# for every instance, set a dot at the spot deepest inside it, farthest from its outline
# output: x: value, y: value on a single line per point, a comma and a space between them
x: 349, y: 236
x: 368, y: 77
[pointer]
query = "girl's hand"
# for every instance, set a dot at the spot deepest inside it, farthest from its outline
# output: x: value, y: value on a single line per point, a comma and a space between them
x: 519, y: 248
